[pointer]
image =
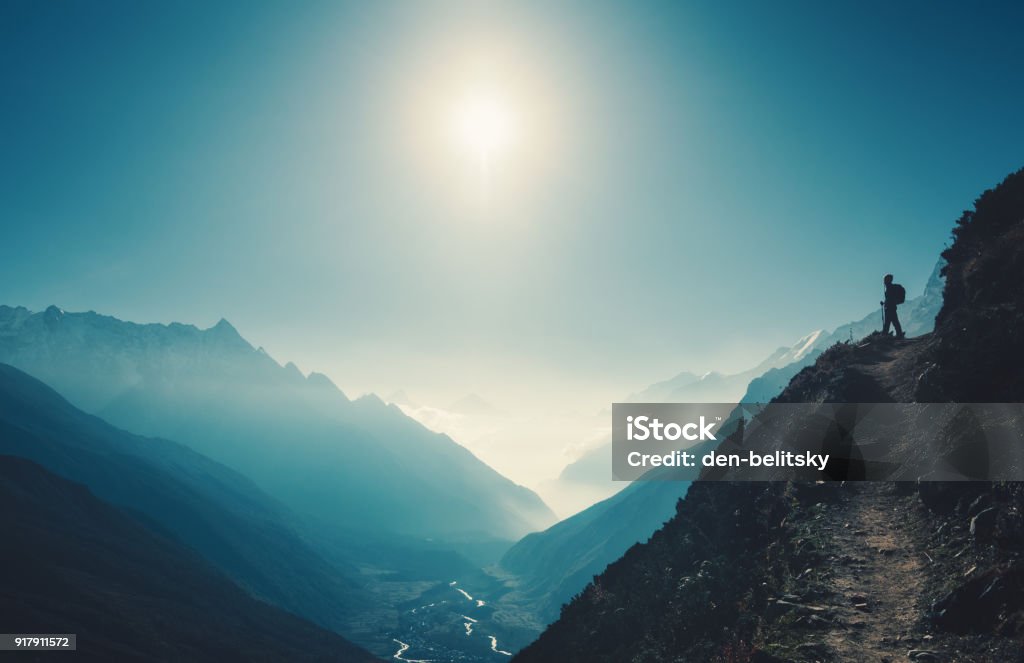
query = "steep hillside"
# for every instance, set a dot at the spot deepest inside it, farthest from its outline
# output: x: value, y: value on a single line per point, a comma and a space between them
x: 74, y: 564
x: 918, y: 316
x: 360, y: 464
x: 669, y: 599
x: 764, y: 381
x: 976, y: 351
x: 798, y: 572
x: 203, y: 504
x: 548, y: 568
x: 551, y: 566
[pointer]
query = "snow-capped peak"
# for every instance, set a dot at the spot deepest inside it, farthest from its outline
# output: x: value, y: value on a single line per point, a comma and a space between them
x: 805, y: 345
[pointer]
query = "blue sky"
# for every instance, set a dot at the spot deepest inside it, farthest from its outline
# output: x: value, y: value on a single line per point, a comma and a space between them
x: 696, y: 183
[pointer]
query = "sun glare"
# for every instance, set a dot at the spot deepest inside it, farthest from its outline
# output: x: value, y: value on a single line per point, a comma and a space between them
x: 485, y: 126
x: 480, y: 127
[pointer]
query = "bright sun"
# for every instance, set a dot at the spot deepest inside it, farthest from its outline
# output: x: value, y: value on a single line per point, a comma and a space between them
x: 484, y: 126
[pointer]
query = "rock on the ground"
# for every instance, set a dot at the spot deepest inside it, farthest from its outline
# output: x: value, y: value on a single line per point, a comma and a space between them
x: 983, y: 525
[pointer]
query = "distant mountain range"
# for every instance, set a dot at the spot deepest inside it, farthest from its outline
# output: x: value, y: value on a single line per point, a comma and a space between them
x: 714, y: 387
x: 74, y: 564
x: 358, y: 465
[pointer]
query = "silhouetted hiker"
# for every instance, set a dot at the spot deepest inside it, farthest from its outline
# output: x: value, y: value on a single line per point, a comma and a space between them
x: 895, y: 295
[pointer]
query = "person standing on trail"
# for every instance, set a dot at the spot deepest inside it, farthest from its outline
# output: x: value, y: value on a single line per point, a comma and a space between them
x: 895, y: 295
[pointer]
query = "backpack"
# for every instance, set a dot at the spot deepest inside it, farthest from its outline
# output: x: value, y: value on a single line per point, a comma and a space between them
x: 899, y: 294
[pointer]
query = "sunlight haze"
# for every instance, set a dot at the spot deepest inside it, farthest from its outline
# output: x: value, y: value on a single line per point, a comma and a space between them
x: 550, y: 205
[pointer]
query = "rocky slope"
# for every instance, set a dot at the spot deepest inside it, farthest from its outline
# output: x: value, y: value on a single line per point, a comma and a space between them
x: 803, y: 572
x: 766, y: 380
x: 82, y: 566
x: 549, y: 567
x: 918, y: 317
x: 237, y: 528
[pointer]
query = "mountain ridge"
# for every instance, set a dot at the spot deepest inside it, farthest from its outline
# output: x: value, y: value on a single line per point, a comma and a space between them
x: 237, y: 405
x: 763, y: 571
x: 601, y: 532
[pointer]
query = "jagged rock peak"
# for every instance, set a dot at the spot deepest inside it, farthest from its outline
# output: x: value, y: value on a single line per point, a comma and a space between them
x: 224, y: 326
x: 53, y: 313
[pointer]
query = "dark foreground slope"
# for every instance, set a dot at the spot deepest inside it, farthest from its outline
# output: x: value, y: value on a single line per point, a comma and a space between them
x: 74, y: 564
x: 803, y: 572
x: 203, y: 504
x: 551, y: 566
x: 671, y: 598
x: 548, y: 568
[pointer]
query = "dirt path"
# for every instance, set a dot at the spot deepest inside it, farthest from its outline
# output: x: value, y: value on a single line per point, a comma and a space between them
x: 895, y: 365
x: 877, y: 576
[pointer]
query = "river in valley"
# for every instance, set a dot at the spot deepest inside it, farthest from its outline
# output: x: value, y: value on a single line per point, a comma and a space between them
x: 451, y: 625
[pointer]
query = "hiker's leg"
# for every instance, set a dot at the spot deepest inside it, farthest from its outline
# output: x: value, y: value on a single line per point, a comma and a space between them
x: 896, y: 324
x: 886, y: 321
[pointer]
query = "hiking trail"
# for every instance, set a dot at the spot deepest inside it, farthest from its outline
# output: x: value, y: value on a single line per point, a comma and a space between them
x: 877, y: 575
